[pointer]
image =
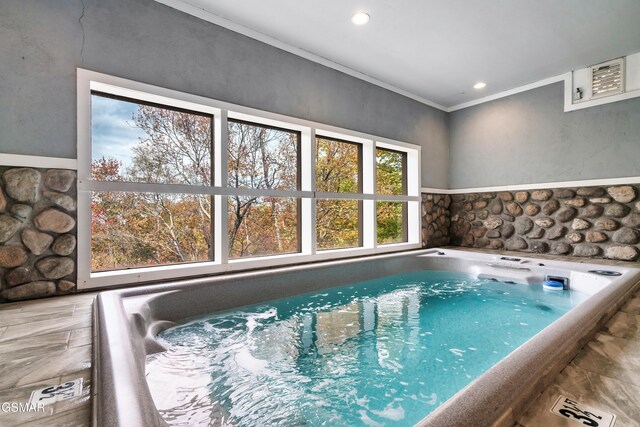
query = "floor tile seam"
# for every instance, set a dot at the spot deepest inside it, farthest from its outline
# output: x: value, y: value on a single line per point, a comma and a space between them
x: 52, y: 380
x: 631, y: 340
x: 598, y: 374
x: 49, y: 349
x: 65, y: 328
x: 37, y: 307
x: 3, y: 341
x: 605, y: 375
x: 53, y: 317
x: 80, y: 408
x: 35, y: 417
x: 69, y: 339
x: 52, y: 354
x: 78, y: 346
x: 11, y: 306
x: 62, y: 374
x: 7, y: 342
x: 620, y: 380
x: 610, y: 360
x: 36, y: 384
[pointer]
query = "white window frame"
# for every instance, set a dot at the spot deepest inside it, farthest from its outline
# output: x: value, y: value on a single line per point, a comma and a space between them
x: 88, y: 81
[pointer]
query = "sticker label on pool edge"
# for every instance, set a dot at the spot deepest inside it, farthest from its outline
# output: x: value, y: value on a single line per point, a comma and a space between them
x: 56, y: 393
x: 582, y: 414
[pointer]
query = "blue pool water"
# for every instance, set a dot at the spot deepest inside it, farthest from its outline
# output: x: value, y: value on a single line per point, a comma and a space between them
x: 384, y: 352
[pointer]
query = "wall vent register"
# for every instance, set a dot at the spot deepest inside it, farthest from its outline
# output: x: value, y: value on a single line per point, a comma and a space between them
x: 607, y: 78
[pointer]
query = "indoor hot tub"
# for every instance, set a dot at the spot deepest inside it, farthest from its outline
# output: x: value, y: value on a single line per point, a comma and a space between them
x: 434, y: 337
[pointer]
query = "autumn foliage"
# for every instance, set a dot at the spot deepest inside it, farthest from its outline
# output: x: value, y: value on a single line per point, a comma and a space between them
x: 143, y: 229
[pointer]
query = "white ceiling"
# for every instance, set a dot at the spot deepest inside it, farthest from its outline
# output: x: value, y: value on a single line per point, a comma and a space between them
x: 436, y: 50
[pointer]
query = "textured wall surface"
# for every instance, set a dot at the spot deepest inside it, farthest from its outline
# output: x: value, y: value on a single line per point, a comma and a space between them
x: 43, y: 41
x: 436, y: 220
x: 601, y: 222
x: 37, y: 232
x: 528, y: 138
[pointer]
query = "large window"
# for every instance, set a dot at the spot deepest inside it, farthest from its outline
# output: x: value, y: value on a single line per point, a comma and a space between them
x: 137, y: 142
x: 134, y: 141
x: 261, y: 226
x: 338, y: 170
x: 391, y: 172
x: 262, y: 157
x: 144, y: 229
x: 175, y: 185
x: 391, y: 179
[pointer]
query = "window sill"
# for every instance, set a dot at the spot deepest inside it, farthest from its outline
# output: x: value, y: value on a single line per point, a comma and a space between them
x: 146, y: 275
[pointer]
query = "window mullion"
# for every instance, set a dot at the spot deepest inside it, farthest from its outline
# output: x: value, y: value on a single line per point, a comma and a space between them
x: 217, y: 188
x: 221, y: 206
x: 308, y: 205
x: 414, y: 221
x: 220, y: 149
x: 84, y: 173
x: 84, y: 237
x: 369, y: 229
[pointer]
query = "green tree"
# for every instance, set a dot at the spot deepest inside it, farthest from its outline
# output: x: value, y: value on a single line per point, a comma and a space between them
x: 337, y: 171
x: 390, y: 179
x: 262, y: 158
x: 139, y: 229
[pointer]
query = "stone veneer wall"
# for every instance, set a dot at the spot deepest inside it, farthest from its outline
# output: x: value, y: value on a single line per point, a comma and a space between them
x: 588, y: 221
x: 37, y: 232
x: 436, y: 220
x: 38, y: 226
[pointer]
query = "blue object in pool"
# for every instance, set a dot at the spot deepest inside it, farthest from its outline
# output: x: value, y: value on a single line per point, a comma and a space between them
x: 381, y: 352
x: 553, y: 285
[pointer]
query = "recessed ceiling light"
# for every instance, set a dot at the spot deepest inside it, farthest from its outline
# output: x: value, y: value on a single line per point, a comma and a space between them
x: 479, y: 85
x: 360, y: 18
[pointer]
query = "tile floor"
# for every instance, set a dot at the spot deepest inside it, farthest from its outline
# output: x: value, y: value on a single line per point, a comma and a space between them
x: 604, y: 375
x: 42, y: 343
x: 36, y: 351
x: 606, y: 372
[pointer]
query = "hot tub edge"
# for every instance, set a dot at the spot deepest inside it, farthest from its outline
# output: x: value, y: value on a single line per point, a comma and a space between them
x: 503, y: 393
x: 121, y: 396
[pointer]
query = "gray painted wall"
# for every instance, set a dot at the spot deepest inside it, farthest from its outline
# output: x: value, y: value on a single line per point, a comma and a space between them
x: 43, y: 41
x: 525, y: 138
x: 528, y: 138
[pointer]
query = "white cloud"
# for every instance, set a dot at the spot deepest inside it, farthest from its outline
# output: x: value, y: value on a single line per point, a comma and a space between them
x: 113, y: 132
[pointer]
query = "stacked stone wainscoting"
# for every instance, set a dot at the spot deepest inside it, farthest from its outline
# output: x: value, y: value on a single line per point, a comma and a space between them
x: 598, y: 222
x: 436, y: 220
x: 37, y: 232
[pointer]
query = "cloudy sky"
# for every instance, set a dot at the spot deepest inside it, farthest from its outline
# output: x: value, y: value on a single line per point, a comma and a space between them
x: 113, y: 131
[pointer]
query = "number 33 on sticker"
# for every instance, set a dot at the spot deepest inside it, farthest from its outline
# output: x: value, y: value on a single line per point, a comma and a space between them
x: 582, y: 414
